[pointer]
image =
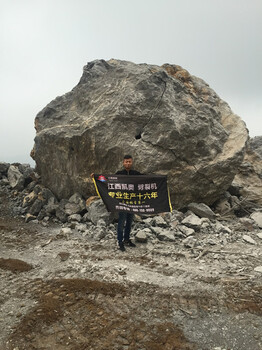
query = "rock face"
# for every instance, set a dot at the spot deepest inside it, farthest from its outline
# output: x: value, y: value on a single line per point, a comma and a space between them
x: 256, y: 145
x: 171, y: 122
x: 249, y: 175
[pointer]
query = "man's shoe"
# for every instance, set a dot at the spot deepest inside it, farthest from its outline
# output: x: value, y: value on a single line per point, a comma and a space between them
x: 130, y: 243
x: 121, y: 247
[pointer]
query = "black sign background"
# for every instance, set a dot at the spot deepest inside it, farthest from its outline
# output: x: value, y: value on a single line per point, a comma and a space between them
x: 139, y: 194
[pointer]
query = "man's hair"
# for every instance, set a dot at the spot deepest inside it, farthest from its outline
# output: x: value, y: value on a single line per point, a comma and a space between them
x: 127, y: 156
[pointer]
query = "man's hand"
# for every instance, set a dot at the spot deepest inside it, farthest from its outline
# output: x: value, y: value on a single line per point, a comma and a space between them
x: 92, y: 175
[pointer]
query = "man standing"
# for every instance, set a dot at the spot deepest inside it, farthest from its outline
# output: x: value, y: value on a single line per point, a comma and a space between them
x: 125, y: 219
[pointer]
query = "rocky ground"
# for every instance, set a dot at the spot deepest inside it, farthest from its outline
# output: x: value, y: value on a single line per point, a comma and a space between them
x: 190, y: 283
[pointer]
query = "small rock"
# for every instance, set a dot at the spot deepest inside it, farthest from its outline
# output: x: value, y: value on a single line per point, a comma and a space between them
x: 61, y: 214
x: 99, y: 234
x: 31, y: 186
x: 101, y: 223
x: 157, y: 230
x: 186, y: 230
x: 64, y: 255
x: 65, y: 231
x: 36, y: 207
x: 257, y: 217
x: 248, y: 239
x: 211, y: 242
x: 97, y: 211
x: 15, y: 178
x: 4, y: 181
x: 202, y: 210
x: 141, y: 236
x: 189, y: 242
x: 166, y: 236
x: 259, y: 235
x: 223, y: 206
x: 91, y: 200
x: 167, y: 217
x: 81, y: 227
x: 174, y: 223
x: 85, y: 217
x: 4, y: 167
x: 235, y: 189
x: 192, y: 221
x: 177, y: 215
x: 42, y: 214
x: 47, y: 196
x: 51, y: 208
x: 219, y: 228
x: 72, y: 224
x: 205, y: 223
x: 18, y: 210
x: 258, y: 269
x: 247, y: 223
x: 78, y: 199
x: 121, y: 270
x: 72, y: 208
x: 75, y: 217
x: 159, y: 221
x: 149, y: 221
x: 29, y: 217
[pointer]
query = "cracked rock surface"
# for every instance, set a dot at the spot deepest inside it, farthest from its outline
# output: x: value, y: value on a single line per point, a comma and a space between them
x: 170, y: 121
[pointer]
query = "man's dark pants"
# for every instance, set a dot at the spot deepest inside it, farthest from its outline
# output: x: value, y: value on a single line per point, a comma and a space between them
x: 124, y: 219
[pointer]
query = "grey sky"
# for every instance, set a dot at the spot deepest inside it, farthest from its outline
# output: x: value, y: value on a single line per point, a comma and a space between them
x: 45, y: 44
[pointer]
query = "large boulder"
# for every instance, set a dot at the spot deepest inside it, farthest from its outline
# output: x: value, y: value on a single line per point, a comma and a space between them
x: 170, y: 121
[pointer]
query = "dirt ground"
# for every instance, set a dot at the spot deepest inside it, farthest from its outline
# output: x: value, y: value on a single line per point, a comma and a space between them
x: 74, y: 293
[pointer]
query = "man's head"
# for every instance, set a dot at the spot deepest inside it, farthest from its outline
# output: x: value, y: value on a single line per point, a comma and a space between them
x: 127, y: 162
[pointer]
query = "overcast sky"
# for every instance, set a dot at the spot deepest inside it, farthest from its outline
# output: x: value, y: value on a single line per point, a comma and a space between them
x: 46, y: 43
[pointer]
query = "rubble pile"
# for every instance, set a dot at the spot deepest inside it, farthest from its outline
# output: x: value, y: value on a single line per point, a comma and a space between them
x: 195, y: 226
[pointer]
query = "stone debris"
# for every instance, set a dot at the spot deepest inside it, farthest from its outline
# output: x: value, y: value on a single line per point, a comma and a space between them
x: 202, y: 210
x: 97, y: 211
x: 248, y: 239
x: 192, y: 221
x: 74, y: 217
x: 258, y: 269
x: 65, y: 231
x: 141, y: 236
x: 159, y: 221
x: 259, y: 235
x: 257, y: 217
x: 15, y: 178
x: 38, y: 204
x: 190, y: 242
x: 166, y: 236
x: 186, y: 230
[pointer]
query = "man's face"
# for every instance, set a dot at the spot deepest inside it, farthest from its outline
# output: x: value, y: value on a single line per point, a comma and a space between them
x: 127, y: 163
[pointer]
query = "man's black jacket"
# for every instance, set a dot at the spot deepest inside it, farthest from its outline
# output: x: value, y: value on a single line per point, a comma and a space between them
x: 130, y: 172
